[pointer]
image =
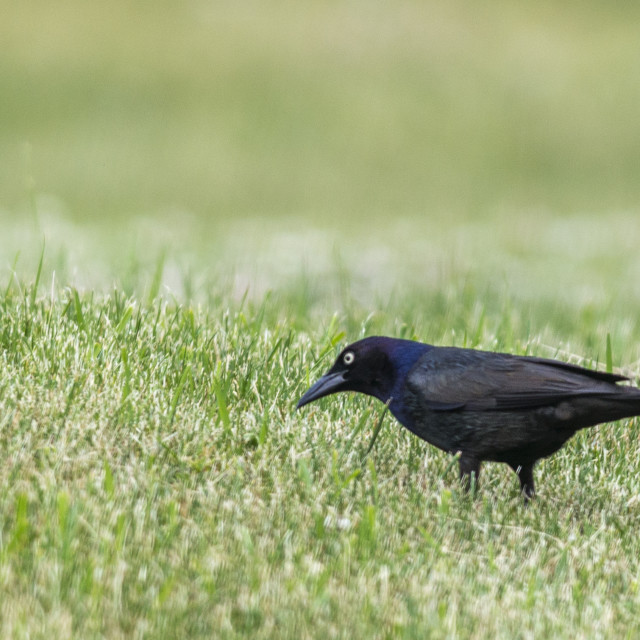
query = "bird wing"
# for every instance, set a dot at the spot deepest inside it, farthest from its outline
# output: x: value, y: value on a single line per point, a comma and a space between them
x: 448, y: 379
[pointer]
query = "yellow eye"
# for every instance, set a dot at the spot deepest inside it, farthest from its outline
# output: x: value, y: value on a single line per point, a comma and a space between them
x: 348, y: 358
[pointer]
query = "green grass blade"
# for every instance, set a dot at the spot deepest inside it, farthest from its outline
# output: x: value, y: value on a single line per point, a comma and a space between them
x: 156, y: 281
x: 34, y: 290
x: 376, y: 430
x: 221, y: 399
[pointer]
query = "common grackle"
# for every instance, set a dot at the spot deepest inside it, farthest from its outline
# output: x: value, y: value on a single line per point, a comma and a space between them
x: 479, y: 404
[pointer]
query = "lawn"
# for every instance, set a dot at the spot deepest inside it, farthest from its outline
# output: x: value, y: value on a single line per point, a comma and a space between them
x: 200, y: 206
x: 157, y: 481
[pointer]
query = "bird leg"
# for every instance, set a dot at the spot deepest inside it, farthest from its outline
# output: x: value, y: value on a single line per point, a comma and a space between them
x: 525, y: 475
x: 469, y: 472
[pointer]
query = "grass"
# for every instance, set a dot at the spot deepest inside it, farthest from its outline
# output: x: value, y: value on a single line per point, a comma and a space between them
x: 200, y: 203
x: 157, y: 481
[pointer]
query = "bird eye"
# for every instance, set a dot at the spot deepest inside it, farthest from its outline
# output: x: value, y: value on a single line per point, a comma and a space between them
x: 348, y: 358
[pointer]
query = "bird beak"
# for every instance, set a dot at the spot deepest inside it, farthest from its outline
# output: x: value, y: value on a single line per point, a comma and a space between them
x: 329, y: 383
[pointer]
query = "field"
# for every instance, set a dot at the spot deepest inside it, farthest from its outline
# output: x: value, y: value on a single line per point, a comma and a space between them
x: 200, y: 205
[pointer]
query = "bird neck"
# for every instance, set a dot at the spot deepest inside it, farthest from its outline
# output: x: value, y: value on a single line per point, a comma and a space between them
x: 404, y: 355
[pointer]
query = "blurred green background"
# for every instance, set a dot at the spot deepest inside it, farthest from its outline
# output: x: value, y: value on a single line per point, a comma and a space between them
x: 320, y: 110
x: 361, y: 149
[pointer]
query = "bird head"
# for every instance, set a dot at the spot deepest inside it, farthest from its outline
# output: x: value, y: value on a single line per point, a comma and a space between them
x: 372, y: 366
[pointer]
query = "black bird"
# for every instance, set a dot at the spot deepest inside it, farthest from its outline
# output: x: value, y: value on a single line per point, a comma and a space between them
x: 482, y: 405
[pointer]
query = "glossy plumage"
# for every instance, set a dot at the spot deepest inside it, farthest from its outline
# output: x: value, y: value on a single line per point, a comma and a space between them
x: 479, y: 404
